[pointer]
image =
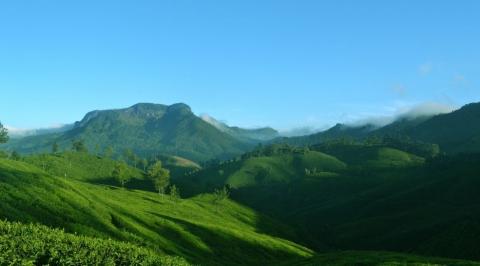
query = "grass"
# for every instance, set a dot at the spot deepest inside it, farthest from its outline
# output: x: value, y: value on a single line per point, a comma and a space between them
x: 381, y: 199
x: 362, y: 198
x: 197, y: 229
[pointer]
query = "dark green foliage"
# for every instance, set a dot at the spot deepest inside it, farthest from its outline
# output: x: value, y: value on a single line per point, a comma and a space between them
x: 79, y: 146
x: 160, y: 176
x: 15, y: 156
x: 55, y: 147
x: 221, y: 194
x: 174, y: 193
x: 108, y: 153
x: 3, y: 134
x: 120, y: 173
x: 375, y: 258
x: 359, y: 196
x: 38, y: 245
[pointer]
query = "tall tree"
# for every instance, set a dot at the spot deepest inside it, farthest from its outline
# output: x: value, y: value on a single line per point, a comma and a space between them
x: 79, y: 146
x: 175, y: 193
x: 15, y: 156
x: 3, y: 134
x: 55, y: 147
x: 160, y: 176
x: 119, y: 173
x: 131, y: 157
x: 144, y: 164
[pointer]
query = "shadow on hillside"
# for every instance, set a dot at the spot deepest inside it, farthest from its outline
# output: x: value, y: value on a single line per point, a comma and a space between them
x: 223, y: 247
x: 138, y: 184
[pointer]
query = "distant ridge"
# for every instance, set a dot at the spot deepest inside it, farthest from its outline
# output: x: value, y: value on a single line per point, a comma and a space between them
x: 148, y: 129
x: 455, y: 132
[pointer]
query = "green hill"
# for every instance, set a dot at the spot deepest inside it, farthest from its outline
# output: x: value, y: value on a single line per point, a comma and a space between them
x: 199, y: 229
x: 153, y: 228
x: 147, y: 129
x: 360, y: 197
x: 261, y: 170
x: 98, y: 170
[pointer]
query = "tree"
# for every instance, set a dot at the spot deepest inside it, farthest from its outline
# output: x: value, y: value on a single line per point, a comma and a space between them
x: 3, y: 134
x: 15, y: 156
x: 119, y: 173
x: 79, y: 146
x: 160, y: 176
x: 175, y: 193
x: 144, y: 164
x: 221, y: 194
x: 54, y: 147
x: 128, y: 155
x: 97, y: 149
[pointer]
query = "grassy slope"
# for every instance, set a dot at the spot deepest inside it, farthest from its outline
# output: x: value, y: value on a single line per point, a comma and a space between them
x: 98, y: 170
x: 258, y: 171
x: 385, y: 199
x: 196, y: 229
x: 30, y: 244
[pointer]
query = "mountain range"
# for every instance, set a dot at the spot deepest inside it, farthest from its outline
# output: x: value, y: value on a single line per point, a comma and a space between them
x: 153, y: 129
x: 150, y: 129
x: 454, y: 132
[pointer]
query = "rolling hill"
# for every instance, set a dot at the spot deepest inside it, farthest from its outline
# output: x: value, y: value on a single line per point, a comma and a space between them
x: 199, y: 229
x: 359, y: 197
x: 112, y: 226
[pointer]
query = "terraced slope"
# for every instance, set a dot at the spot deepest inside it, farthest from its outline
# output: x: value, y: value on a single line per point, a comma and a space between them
x: 200, y: 229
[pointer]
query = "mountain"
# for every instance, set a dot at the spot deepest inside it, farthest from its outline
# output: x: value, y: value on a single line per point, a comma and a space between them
x: 248, y: 135
x: 455, y: 132
x: 145, y: 128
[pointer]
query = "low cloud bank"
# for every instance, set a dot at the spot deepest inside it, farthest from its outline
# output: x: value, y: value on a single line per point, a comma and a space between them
x: 15, y: 132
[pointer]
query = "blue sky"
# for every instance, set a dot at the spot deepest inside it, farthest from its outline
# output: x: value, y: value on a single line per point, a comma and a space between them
x: 252, y: 63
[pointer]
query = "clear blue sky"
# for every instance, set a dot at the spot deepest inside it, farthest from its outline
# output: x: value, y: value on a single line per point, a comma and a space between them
x: 251, y: 63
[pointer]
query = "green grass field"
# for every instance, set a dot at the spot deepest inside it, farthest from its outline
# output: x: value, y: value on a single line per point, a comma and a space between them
x: 293, y: 208
x: 197, y: 229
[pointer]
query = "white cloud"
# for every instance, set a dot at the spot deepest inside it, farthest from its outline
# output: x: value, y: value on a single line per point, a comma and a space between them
x: 425, y: 68
x: 403, y: 110
x: 16, y: 132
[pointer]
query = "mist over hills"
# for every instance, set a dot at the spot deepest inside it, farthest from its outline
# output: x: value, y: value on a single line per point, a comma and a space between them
x: 455, y: 132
